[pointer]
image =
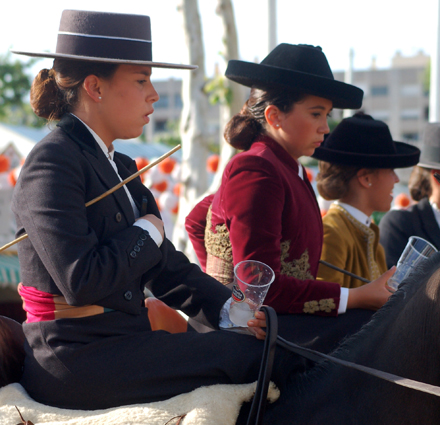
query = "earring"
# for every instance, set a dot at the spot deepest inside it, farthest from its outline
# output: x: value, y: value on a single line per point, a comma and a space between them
x: 99, y: 97
x: 277, y: 125
x: 369, y: 184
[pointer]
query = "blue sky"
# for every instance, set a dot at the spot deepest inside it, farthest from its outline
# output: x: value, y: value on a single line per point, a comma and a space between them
x: 375, y: 28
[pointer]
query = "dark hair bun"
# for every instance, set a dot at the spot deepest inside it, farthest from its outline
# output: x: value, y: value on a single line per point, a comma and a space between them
x: 241, y: 131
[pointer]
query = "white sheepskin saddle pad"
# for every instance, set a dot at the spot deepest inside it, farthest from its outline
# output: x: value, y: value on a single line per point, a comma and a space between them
x: 212, y: 405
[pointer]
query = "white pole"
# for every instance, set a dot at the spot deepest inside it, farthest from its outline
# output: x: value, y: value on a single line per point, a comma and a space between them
x: 434, y: 93
x: 272, y: 6
x: 348, y: 78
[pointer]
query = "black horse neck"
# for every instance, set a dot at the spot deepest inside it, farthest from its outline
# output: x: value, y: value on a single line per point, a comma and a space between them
x: 402, y: 338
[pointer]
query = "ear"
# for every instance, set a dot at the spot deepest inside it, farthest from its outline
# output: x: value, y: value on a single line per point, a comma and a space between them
x: 92, y: 86
x: 364, y: 177
x: 434, y: 178
x: 273, y: 116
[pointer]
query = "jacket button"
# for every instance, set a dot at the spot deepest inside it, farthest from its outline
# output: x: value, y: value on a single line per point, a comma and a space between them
x: 143, y: 237
x: 133, y: 254
x: 118, y: 217
x: 128, y: 295
x: 136, y: 248
x: 140, y: 242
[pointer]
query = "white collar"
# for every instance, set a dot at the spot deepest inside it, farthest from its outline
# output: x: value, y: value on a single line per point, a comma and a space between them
x: 357, y: 214
x: 300, y: 171
x: 108, y: 152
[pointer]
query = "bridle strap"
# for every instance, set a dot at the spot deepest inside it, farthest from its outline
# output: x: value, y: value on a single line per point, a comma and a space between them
x: 316, y: 356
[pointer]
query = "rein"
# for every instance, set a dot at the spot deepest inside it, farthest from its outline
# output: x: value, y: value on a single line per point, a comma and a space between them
x: 316, y: 356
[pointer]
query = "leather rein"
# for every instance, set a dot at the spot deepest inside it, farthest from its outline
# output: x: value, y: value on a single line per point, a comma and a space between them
x: 316, y: 356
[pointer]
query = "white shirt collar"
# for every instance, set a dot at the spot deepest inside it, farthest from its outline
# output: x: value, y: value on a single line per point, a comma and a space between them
x: 357, y: 214
x: 108, y: 152
x: 300, y: 171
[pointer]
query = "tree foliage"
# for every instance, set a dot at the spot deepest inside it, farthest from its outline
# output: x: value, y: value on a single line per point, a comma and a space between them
x: 15, y: 84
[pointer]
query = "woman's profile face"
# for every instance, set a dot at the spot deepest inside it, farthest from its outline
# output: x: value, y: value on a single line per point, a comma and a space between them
x: 302, y: 129
x: 126, y: 102
x: 381, y: 189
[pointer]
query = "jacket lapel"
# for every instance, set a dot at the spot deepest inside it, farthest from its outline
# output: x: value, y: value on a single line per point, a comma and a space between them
x: 428, y: 221
x: 76, y: 130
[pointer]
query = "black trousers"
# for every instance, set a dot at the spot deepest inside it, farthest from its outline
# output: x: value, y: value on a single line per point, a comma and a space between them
x: 111, y: 359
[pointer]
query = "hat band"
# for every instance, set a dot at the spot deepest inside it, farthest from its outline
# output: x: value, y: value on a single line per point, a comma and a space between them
x: 104, y: 47
x: 103, y: 36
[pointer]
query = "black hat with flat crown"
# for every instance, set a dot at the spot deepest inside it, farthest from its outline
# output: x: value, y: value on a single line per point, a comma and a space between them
x: 299, y: 67
x: 105, y: 37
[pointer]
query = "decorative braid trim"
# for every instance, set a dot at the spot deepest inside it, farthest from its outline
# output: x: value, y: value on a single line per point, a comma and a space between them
x: 217, y: 244
x: 296, y: 268
x: 369, y: 237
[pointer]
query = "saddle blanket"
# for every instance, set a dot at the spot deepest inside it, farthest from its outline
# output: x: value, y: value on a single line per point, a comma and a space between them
x: 211, y: 405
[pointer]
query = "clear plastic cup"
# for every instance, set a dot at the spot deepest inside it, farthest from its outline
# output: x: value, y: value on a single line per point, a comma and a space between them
x: 416, y: 250
x: 252, y: 280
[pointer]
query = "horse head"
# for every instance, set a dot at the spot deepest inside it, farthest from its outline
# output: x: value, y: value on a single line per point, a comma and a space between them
x: 402, y: 338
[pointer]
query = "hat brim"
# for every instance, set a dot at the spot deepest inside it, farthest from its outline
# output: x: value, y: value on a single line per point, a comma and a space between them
x: 431, y: 165
x: 249, y: 74
x: 406, y: 156
x: 106, y: 60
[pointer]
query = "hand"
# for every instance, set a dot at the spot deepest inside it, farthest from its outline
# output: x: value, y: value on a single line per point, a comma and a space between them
x: 256, y: 325
x: 373, y: 295
x: 156, y: 222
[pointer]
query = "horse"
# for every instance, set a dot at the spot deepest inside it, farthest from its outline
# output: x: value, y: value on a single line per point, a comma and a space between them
x: 402, y: 338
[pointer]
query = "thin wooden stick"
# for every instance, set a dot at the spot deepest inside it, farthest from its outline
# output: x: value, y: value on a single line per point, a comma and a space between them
x: 344, y: 271
x: 113, y: 189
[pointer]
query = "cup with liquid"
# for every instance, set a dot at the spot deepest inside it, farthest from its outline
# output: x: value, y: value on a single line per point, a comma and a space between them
x: 416, y: 251
x: 252, y: 280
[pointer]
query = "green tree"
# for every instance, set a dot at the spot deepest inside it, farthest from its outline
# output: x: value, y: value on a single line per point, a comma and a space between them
x: 15, y: 84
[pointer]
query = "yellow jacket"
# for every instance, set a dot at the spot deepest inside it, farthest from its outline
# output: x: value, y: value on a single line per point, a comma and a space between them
x: 352, y: 246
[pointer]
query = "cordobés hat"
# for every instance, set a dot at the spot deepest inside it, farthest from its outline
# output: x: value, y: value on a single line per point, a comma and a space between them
x: 362, y: 141
x: 430, y: 148
x: 300, y: 67
x: 105, y: 37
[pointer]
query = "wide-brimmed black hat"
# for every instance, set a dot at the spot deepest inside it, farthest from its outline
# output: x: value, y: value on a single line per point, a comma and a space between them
x: 430, y: 148
x: 362, y: 141
x: 105, y: 37
x: 300, y: 67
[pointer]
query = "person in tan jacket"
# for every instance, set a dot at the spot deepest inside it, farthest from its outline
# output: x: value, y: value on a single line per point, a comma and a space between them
x: 356, y: 170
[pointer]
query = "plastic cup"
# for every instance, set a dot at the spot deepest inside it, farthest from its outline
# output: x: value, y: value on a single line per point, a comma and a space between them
x: 252, y: 280
x: 416, y: 251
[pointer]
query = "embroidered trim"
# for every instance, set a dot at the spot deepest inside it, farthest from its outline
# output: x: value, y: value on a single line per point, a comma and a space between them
x: 326, y: 305
x: 370, y: 237
x: 296, y: 268
x: 217, y: 244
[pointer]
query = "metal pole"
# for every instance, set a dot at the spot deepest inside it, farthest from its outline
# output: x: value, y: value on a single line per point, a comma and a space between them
x: 272, y: 24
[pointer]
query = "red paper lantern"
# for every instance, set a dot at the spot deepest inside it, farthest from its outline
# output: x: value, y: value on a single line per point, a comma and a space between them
x: 310, y: 174
x: 212, y: 163
x: 402, y: 200
x: 161, y: 186
x: 4, y: 163
x: 167, y: 165
x: 141, y: 162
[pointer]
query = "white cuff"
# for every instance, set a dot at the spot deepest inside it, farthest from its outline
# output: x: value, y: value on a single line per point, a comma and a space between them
x: 343, y: 301
x: 151, y: 229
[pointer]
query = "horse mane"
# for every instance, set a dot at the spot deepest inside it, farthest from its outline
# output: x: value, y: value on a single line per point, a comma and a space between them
x: 348, y: 349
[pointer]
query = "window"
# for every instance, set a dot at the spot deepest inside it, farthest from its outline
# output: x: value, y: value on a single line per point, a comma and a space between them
x: 409, y: 114
x: 410, y: 137
x: 379, y: 91
x: 382, y: 115
x: 163, y: 101
x: 410, y: 90
x: 178, y: 104
x: 160, y: 125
